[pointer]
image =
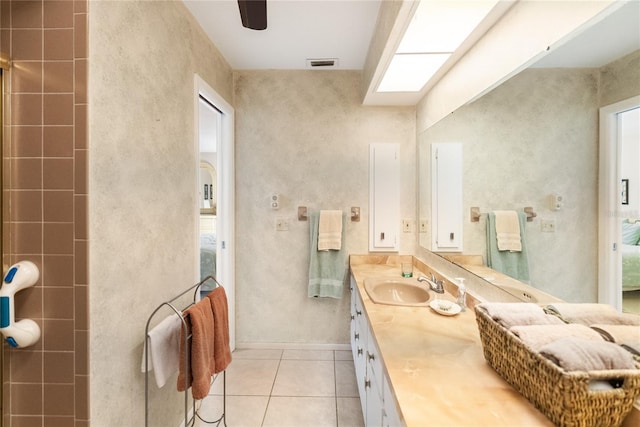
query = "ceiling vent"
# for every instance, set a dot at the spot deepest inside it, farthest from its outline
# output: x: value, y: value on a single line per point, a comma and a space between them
x: 322, y: 63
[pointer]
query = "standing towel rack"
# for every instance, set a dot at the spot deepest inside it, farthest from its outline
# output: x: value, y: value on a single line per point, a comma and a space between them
x: 169, y: 303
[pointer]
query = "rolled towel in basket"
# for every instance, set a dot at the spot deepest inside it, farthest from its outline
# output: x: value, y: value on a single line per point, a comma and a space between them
x: 590, y: 313
x: 575, y: 354
x: 620, y: 334
x: 519, y: 313
x: 537, y: 336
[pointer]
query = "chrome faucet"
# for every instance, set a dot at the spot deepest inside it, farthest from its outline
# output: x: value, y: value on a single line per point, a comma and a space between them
x: 434, y: 284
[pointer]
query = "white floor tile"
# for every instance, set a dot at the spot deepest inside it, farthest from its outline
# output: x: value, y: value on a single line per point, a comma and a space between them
x: 241, y: 411
x: 248, y: 378
x: 346, y: 385
x: 343, y: 355
x: 301, y: 412
x: 305, y: 378
x: 286, y: 388
x: 349, y: 412
x: 254, y: 353
x: 307, y: 355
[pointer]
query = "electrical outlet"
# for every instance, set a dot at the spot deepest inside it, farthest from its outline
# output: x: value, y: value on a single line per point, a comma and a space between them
x: 423, y: 225
x: 548, y: 225
x: 407, y: 225
x: 282, y: 224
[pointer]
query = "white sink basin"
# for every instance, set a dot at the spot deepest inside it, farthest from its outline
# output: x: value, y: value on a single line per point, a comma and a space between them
x: 397, y: 292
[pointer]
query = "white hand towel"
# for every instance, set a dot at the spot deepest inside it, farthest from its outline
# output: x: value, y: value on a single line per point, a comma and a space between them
x: 164, y: 349
x: 508, y: 231
x: 330, y: 231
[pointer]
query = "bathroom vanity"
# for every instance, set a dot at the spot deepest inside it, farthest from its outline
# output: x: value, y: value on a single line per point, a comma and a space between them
x: 415, y: 367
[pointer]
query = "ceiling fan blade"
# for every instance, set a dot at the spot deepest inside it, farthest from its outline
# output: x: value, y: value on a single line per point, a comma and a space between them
x: 253, y: 14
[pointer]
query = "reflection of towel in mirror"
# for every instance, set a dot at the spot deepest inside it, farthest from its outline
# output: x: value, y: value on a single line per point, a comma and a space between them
x: 537, y: 336
x: 199, y: 318
x: 591, y: 313
x: 330, y: 230
x: 327, y: 269
x: 163, y: 348
x: 221, y: 348
x: 574, y: 354
x: 508, y: 231
x: 511, y: 263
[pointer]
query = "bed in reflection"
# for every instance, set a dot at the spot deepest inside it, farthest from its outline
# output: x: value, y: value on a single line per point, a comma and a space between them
x: 630, y: 255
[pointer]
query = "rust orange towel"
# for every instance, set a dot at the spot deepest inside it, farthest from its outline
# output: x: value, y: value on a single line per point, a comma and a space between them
x: 199, y: 318
x: 221, y: 348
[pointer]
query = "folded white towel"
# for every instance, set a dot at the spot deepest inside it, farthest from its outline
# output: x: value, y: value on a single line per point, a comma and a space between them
x: 508, y: 231
x: 330, y: 231
x: 537, y: 336
x: 574, y: 354
x: 164, y: 349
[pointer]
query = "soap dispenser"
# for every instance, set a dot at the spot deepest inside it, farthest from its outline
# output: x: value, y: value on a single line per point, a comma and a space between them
x: 462, y: 294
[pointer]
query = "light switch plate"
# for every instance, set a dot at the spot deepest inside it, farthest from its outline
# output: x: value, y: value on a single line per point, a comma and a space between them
x: 407, y: 225
x: 548, y: 225
x: 282, y: 224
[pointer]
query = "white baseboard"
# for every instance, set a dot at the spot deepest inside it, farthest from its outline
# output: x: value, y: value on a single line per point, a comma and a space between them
x: 291, y: 346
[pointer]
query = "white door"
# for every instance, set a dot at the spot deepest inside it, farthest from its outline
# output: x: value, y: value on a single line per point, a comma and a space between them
x: 215, y: 194
x: 610, y: 201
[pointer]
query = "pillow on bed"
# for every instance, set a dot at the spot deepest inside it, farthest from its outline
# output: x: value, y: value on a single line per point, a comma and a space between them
x: 630, y: 233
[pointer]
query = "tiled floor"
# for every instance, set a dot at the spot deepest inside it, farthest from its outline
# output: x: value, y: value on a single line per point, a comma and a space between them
x: 287, y: 388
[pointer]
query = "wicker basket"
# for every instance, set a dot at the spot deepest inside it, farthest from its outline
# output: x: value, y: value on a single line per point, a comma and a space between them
x: 564, y: 397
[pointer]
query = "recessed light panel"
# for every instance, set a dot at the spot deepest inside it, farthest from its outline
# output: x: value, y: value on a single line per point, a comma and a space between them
x: 410, y: 72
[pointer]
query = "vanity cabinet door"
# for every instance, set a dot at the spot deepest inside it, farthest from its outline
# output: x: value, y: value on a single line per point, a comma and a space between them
x: 373, y: 413
x: 358, y: 344
x: 390, y: 417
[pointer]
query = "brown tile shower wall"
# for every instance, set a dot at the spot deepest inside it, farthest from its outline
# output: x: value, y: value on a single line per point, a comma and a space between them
x: 45, y: 159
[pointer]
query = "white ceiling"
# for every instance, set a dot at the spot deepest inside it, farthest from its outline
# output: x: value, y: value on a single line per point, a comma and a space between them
x: 297, y: 30
x: 616, y: 35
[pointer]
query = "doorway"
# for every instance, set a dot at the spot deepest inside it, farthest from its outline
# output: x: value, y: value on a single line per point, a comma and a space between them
x: 629, y: 140
x: 215, y: 242
x: 613, y: 192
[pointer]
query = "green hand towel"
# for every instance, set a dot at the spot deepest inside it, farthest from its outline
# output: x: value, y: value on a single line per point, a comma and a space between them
x: 513, y: 264
x: 327, y: 269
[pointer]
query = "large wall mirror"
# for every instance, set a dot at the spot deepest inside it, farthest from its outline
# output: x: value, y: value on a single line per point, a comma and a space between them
x: 535, y: 136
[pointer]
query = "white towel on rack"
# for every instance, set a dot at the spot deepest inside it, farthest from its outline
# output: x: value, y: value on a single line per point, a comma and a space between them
x: 508, y: 231
x: 164, y: 349
x: 330, y: 230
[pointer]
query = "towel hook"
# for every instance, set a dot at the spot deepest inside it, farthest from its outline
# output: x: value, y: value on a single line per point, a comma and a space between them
x: 530, y: 213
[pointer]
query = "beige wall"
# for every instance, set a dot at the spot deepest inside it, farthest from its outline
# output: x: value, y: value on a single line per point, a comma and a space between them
x: 535, y: 135
x: 142, y: 172
x: 620, y: 79
x: 306, y: 136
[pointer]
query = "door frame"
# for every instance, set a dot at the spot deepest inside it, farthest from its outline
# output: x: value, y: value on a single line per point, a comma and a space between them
x: 226, y: 196
x: 609, y: 196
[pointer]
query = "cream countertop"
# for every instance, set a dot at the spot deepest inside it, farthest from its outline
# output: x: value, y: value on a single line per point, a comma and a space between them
x: 435, y: 364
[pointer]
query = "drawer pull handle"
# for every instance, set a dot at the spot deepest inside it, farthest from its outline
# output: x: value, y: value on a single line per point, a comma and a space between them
x: 367, y: 383
x: 353, y: 317
x: 356, y: 336
x: 359, y: 351
x: 359, y: 313
x: 371, y: 356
